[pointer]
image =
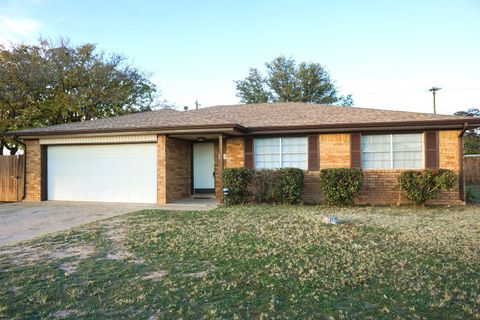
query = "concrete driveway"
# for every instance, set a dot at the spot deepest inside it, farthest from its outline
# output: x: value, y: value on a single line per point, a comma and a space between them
x: 27, y: 220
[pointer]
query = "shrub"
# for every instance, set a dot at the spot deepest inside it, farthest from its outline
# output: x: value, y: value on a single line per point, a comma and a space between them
x: 237, y: 180
x: 283, y: 186
x: 260, y: 188
x: 422, y: 186
x: 341, y: 185
x: 290, y: 187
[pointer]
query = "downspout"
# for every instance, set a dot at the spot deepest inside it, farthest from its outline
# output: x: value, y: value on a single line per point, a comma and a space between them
x: 465, y: 128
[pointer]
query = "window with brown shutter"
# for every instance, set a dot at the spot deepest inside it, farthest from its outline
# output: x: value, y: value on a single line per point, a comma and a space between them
x: 313, y: 154
x: 356, y: 150
x: 431, y: 149
x: 248, y: 152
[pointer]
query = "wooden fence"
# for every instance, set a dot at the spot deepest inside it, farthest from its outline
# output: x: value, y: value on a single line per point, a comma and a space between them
x: 12, y: 178
x: 471, y: 167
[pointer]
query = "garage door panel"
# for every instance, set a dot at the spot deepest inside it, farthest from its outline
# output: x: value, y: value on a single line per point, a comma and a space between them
x: 110, y: 173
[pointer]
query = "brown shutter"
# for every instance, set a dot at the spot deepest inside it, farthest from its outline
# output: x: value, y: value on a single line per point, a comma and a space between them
x: 248, y: 152
x: 313, y: 154
x: 431, y: 149
x: 356, y: 150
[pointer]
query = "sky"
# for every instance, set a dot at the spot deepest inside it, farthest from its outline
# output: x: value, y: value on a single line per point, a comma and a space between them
x: 385, y: 53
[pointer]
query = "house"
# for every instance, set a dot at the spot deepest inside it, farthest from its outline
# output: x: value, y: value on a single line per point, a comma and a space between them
x: 163, y: 156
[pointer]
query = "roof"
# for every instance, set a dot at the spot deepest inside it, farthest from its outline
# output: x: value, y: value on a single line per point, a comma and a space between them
x: 149, y: 120
x: 258, y: 117
x: 291, y: 114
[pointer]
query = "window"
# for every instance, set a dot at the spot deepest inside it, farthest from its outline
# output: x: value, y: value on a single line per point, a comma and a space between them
x: 392, y: 151
x: 281, y: 152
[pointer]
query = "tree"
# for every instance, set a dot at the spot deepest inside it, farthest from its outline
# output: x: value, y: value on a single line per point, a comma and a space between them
x: 287, y: 81
x: 54, y: 83
x: 471, y: 140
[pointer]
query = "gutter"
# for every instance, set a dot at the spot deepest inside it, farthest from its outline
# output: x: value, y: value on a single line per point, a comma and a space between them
x: 357, y: 129
x: 447, y: 123
x: 331, y: 128
x: 159, y: 130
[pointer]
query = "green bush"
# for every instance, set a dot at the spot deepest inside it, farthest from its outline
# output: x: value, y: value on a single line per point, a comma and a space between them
x: 289, y: 189
x: 282, y: 186
x: 341, y: 185
x: 422, y: 186
x: 237, y: 180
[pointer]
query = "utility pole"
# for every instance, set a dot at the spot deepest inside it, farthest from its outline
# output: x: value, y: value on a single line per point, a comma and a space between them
x: 434, y: 90
x: 197, y: 104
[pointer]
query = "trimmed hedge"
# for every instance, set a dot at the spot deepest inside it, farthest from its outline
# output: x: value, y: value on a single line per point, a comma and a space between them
x: 283, y: 186
x: 425, y: 185
x: 237, y: 180
x: 341, y: 185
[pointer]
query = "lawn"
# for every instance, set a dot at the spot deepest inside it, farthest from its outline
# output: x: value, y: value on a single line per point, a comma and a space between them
x: 252, y: 262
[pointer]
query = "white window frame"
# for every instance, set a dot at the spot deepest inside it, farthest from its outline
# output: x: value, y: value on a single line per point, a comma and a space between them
x: 392, y: 153
x: 280, y: 154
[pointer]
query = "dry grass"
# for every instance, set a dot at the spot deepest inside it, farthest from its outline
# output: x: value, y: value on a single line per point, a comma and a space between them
x: 252, y: 262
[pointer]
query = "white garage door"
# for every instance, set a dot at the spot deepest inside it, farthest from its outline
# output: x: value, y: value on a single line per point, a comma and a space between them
x: 108, y: 173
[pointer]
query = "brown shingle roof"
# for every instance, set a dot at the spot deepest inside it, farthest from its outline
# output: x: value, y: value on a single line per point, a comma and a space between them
x: 261, y: 116
x: 290, y: 114
x: 138, y: 121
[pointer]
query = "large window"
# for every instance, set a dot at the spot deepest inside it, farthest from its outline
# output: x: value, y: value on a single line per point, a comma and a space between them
x: 392, y: 151
x: 281, y: 152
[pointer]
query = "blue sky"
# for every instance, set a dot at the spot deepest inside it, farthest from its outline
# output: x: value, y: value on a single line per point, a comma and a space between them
x: 386, y: 53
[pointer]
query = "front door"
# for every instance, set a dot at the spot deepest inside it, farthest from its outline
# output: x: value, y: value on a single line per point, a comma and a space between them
x: 203, y: 168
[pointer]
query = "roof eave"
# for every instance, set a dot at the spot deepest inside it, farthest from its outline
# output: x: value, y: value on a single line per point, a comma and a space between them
x: 377, y: 126
x: 160, y: 130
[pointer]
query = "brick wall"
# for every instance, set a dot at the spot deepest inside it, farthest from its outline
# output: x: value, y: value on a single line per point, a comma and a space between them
x: 451, y: 158
x: 334, y: 153
x: 178, y: 169
x: 174, y: 169
x: 234, y: 150
x: 381, y: 187
x: 161, y: 169
x: 334, y: 150
x: 33, y: 170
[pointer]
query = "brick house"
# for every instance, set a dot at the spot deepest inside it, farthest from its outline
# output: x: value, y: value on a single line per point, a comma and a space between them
x: 163, y: 156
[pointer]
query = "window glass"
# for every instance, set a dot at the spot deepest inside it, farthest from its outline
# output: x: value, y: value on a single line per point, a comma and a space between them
x: 281, y: 152
x: 392, y: 151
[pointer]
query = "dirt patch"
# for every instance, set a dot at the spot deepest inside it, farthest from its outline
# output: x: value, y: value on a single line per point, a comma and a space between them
x: 199, y: 274
x: 119, y: 255
x: 69, y: 267
x: 26, y: 255
x: 80, y: 252
x: 117, y: 235
x: 64, y: 313
x: 14, y: 289
x: 154, y: 276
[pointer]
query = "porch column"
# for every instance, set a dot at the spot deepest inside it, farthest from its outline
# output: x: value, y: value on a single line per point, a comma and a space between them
x: 220, y: 167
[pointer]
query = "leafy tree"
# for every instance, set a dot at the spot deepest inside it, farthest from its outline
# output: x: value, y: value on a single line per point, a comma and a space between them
x: 287, y: 81
x: 54, y: 83
x: 471, y: 140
